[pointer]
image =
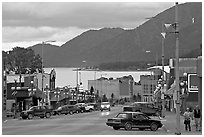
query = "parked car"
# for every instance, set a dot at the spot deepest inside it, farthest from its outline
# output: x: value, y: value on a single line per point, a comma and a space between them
x: 129, y: 120
x: 105, y: 106
x: 144, y: 107
x: 67, y: 109
x: 96, y: 106
x: 57, y: 111
x: 89, y: 107
x: 9, y: 114
x: 81, y: 106
x: 39, y: 111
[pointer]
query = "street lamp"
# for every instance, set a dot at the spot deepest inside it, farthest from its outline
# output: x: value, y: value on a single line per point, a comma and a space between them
x: 47, y: 92
x: 102, y: 82
x: 14, y: 94
x: 43, y: 43
x: 32, y: 90
x: 57, y: 94
x: 184, y: 91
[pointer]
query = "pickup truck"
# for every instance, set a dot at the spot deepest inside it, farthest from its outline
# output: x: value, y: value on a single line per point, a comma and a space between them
x: 39, y: 111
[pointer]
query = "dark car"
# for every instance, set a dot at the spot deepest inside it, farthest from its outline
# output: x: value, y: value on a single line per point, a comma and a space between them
x: 67, y: 109
x: 57, y: 111
x: 81, y: 107
x: 147, y: 108
x: 129, y: 120
x: 39, y: 111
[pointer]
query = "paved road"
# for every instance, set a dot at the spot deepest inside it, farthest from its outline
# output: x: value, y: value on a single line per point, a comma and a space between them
x: 92, y: 123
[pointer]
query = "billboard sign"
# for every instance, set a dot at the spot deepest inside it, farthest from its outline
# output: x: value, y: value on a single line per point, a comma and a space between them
x: 193, y: 82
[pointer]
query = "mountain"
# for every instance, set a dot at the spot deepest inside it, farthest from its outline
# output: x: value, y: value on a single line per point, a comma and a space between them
x: 109, y: 45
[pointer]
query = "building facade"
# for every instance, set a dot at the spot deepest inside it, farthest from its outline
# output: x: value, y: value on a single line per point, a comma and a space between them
x: 187, y: 67
x: 25, y: 90
x: 148, y: 83
x: 120, y: 87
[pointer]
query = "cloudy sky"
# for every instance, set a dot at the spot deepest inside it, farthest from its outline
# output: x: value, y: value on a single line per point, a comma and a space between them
x: 27, y: 23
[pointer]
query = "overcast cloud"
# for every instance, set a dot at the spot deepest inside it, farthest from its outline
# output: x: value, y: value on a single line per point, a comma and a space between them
x: 35, y: 22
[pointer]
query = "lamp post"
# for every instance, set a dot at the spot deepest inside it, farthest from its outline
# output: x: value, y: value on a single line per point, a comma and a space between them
x: 43, y: 43
x: 47, y: 92
x: 184, y: 92
x: 102, y: 83
x: 77, y: 88
x: 32, y: 90
x: 57, y: 94
x: 159, y: 87
x: 14, y: 94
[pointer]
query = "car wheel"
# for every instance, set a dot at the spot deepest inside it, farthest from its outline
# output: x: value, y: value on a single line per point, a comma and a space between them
x: 30, y: 116
x: 115, y: 128
x: 70, y: 112
x: 24, y: 117
x: 47, y: 115
x: 82, y: 111
x: 153, y: 126
x: 101, y: 110
x: 128, y: 126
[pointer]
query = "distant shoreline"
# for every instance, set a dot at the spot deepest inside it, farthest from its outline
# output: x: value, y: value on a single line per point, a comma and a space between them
x: 79, y: 69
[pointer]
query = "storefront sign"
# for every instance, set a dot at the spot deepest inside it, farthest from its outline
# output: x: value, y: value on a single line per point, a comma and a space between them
x: 193, y: 82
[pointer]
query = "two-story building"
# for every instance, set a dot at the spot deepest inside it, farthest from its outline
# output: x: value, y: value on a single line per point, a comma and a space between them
x: 24, y: 90
x: 121, y: 87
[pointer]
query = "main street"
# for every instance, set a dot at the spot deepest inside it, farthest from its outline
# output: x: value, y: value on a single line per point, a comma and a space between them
x: 90, y: 123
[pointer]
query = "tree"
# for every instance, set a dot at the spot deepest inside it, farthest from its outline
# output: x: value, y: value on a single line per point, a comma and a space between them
x: 112, y: 96
x: 97, y: 96
x: 139, y: 98
x: 22, y: 61
x: 91, y: 90
x: 134, y: 97
x: 104, y: 98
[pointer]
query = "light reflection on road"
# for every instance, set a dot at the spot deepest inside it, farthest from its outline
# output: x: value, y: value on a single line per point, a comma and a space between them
x: 105, y: 113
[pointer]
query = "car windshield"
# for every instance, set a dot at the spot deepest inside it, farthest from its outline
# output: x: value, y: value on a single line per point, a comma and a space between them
x: 32, y: 108
x: 122, y: 115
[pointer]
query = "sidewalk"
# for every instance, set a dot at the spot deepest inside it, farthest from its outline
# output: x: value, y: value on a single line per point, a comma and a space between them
x: 170, y: 125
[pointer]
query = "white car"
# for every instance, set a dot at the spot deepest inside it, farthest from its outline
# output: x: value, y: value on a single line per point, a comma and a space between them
x: 105, y: 106
x: 89, y: 107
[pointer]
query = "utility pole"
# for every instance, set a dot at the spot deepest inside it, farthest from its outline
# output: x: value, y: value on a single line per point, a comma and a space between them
x: 77, y: 85
x: 162, y: 89
x: 178, y: 130
x: 43, y: 43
